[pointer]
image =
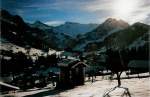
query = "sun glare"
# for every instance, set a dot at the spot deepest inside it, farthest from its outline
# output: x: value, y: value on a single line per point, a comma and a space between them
x: 124, y: 8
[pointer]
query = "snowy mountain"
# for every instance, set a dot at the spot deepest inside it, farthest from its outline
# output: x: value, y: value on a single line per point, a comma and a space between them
x: 107, y: 27
x: 97, y: 35
x: 115, y: 34
x: 73, y: 29
x: 69, y: 28
x: 110, y: 33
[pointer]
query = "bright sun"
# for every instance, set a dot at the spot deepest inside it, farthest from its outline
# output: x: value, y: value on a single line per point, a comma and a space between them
x: 124, y: 8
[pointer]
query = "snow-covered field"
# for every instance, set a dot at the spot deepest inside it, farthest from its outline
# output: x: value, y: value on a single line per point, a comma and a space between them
x: 137, y: 88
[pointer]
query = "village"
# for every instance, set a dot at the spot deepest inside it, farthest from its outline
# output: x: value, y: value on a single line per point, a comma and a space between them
x: 60, y: 71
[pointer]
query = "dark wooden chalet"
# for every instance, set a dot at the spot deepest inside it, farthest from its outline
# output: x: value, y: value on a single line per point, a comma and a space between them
x: 72, y: 73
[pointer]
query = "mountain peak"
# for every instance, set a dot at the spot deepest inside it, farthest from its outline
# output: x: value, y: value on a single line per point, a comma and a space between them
x: 112, y: 22
x: 40, y: 25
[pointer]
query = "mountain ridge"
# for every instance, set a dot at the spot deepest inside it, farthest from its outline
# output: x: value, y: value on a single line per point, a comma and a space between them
x: 125, y: 38
x: 73, y: 28
x: 15, y: 30
x: 40, y: 25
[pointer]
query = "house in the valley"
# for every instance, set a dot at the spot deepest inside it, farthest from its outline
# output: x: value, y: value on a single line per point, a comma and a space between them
x: 72, y: 73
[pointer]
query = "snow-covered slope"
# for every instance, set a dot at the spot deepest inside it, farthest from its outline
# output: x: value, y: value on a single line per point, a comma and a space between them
x: 15, y: 48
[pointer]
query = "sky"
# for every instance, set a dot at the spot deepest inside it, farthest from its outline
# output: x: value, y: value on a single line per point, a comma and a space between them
x: 55, y: 12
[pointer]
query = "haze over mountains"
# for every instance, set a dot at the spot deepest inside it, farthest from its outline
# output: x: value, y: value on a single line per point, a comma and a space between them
x: 69, y: 28
x: 83, y: 37
x: 74, y: 29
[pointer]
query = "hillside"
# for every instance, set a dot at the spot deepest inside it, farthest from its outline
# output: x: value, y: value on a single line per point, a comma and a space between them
x: 16, y: 31
x: 107, y: 27
x: 40, y: 36
x: 126, y: 37
x: 98, y: 35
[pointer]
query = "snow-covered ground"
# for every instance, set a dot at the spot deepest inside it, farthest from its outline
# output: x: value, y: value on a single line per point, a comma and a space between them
x: 137, y: 88
x: 34, y: 53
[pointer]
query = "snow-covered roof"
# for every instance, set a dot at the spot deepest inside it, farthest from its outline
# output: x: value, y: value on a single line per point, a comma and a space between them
x: 71, y: 63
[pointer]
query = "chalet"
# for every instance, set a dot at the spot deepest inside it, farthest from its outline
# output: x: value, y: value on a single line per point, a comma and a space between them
x: 72, y: 73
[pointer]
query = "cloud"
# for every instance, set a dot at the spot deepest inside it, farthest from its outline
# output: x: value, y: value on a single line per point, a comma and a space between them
x: 147, y: 20
x: 142, y: 13
x: 54, y: 23
x: 57, y: 5
x: 70, y: 5
x: 96, y: 10
x: 98, y: 5
x: 105, y: 8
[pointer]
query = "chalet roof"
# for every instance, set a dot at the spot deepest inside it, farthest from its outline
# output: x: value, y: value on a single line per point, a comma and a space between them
x: 71, y: 63
x: 141, y: 64
x: 79, y: 63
